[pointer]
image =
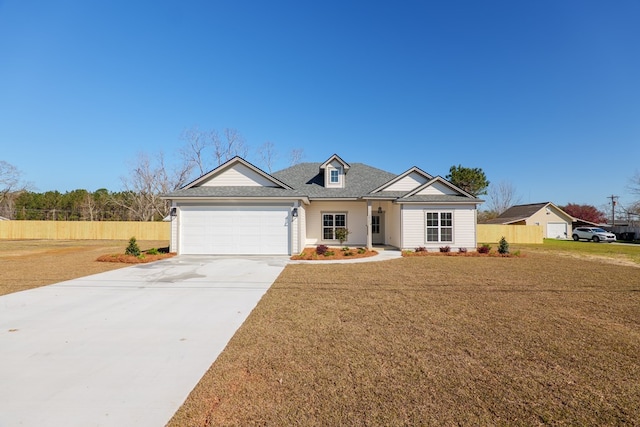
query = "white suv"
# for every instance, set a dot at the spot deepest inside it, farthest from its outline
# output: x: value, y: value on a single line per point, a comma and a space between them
x: 593, y: 233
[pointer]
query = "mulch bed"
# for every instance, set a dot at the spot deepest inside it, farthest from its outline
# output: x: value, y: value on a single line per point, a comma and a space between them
x: 309, y: 254
x: 131, y: 259
x: 461, y: 254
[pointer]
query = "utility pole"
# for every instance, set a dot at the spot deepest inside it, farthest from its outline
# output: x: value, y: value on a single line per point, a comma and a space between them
x: 613, y: 209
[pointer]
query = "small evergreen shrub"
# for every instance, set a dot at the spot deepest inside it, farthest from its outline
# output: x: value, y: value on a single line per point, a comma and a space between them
x: 342, y: 234
x: 484, y: 249
x: 133, y: 248
x: 445, y: 249
x: 329, y: 253
x: 503, y: 246
x: 321, y: 249
x: 362, y: 251
x: 345, y: 249
x: 153, y: 251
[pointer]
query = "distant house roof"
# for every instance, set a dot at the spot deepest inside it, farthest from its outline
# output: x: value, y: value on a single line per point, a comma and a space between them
x: 520, y: 213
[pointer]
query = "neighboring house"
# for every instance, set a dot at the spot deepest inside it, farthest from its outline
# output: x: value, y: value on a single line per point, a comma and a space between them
x: 556, y: 223
x: 238, y: 208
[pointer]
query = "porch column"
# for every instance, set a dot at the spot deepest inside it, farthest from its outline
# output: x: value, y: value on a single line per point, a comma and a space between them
x: 369, y: 239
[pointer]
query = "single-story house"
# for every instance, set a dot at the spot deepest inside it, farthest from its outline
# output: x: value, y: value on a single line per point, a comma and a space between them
x: 237, y: 208
x: 556, y: 223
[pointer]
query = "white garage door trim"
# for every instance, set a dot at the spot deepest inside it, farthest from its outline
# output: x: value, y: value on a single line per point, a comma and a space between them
x: 557, y: 230
x: 234, y: 230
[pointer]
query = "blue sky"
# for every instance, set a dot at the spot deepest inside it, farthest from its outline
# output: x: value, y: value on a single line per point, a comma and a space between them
x: 543, y: 94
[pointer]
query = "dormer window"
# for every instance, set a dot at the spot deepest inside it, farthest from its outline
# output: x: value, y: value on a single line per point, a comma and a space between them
x: 334, y: 170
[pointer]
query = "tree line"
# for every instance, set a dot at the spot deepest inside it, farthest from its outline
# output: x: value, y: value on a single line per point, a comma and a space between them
x: 76, y: 205
x: 201, y: 151
x: 150, y: 176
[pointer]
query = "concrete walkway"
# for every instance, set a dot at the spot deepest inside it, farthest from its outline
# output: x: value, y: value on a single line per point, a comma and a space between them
x: 126, y: 347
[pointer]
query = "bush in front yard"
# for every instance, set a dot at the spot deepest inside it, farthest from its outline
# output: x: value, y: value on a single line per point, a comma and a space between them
x: 503, y: 247
x: 322, y: 249
x: 133, y: 248
x: 484, y: 249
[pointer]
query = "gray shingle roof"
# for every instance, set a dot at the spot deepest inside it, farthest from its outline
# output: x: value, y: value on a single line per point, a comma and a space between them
x: 518, y: 213
x: 361, y: 179
x: 439, y: 198
x: 306, y: 180
x: 239, y: 192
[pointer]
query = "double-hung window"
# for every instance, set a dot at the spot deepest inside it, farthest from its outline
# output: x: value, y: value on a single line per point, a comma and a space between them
x: 439, y: 226
x: 334, y: 177
x: 331, y: 222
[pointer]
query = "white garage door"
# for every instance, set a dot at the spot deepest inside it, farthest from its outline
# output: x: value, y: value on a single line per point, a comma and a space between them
x: 557, y: 230
x: 234, y: 231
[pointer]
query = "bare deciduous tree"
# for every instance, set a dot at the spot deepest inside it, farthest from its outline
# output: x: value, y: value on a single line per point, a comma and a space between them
x: 295, y: 156
x: 204, y: 150
x: 634, y: 183
x: 233, y: 145
x: 11, y: 186
x: 502, y: 196
x: 193, y: 152
x: 148, y: 180
x: 268, y: 155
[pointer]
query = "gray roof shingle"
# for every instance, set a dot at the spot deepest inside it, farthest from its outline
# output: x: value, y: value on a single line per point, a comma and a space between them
x: 361, y: 179
x: 306, y: 180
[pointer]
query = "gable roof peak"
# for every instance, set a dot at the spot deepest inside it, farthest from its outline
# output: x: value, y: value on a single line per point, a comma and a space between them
x: 230, y: 163
x: 344, y: 164
x: 404, y: 174
x: 442, y: 181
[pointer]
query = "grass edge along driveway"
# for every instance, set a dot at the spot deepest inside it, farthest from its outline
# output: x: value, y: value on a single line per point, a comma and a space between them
x: 433, y: 341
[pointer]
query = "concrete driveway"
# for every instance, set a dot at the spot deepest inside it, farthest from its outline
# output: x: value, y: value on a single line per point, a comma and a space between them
x: 122, y: 348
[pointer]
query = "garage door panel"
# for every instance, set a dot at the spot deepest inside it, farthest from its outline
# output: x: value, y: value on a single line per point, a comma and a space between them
x: 217, y: 230
x: 556, y: 230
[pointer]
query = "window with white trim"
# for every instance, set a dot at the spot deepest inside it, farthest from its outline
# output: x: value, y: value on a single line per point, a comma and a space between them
x: 439, y: 226
x: 331, y: 222
x: 334, y: 176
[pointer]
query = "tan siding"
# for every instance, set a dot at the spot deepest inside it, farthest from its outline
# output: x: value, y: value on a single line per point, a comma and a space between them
x: 334, y: 165
x: 393, y: 228
x: 173, y: 243
x: 238, y: 175
x: 413, y: 232
x: 413, y: 227
x: 437, y: 188
x: 543, y: 218
x: 356, y: 221
x: 85, y: 230
x: 295, y: 232
x: 407, y: 183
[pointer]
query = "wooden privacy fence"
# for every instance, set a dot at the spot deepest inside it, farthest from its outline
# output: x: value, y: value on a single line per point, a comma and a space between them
x: 123, y: 230
x: 492, y: 233
x: 85, y: 230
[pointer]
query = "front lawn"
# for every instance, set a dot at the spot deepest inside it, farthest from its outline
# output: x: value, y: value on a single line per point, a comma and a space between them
x: 540, y: 339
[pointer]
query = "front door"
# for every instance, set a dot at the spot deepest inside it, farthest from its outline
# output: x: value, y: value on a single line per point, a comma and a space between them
x: 377, y: 229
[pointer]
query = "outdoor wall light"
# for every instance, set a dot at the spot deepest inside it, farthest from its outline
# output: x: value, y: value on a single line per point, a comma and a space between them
x: 294, y: 212
x: 379, y: 209
x: 173, y: 212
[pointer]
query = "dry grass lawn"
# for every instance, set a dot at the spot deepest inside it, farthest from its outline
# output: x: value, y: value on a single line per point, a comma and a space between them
x: 535, y: 340
x: 550, y: 338
x: 26, y: 264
